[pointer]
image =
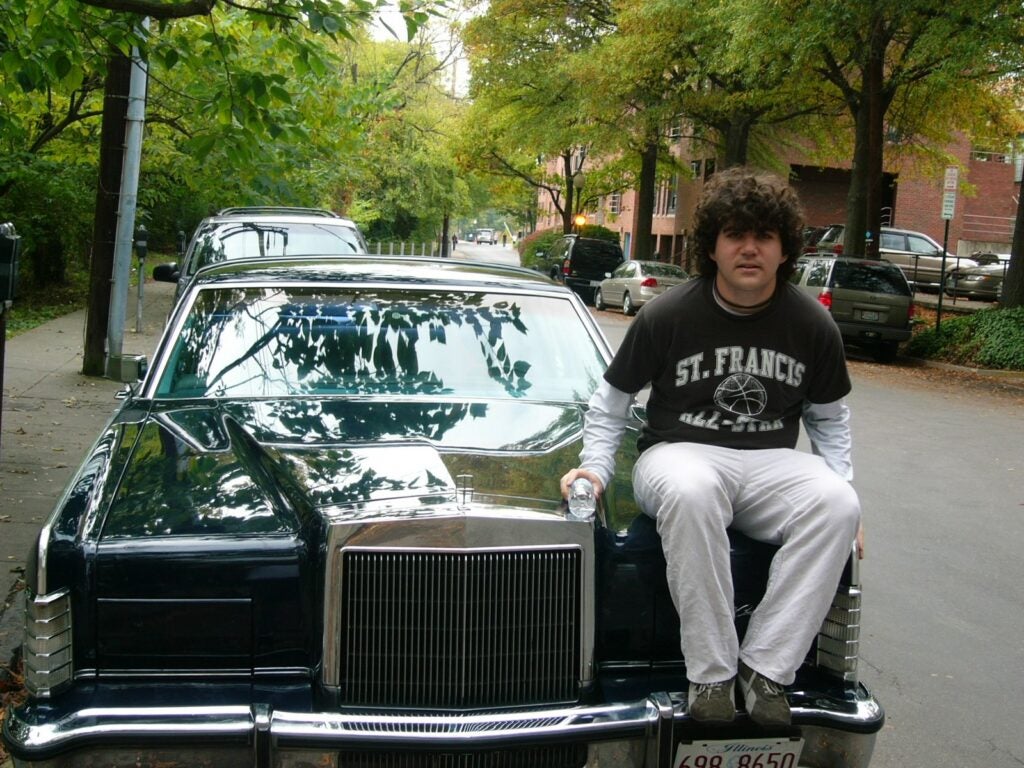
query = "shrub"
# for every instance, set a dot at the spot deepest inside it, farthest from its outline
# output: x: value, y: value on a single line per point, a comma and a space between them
x: 992, y: 338
x: 541, y: 240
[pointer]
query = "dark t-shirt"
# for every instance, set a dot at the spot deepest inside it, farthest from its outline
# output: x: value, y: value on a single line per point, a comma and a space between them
x: 722, y: 379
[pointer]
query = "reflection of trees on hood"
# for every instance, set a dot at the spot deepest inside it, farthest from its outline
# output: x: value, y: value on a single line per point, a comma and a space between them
x: 371, y: 343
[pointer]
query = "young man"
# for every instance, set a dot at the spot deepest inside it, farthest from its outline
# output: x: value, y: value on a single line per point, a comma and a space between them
x: 736, y: 360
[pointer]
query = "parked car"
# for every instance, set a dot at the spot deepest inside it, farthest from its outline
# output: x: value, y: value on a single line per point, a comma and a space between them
x: 326, y: 529
x: 983, y: 282
x: 486, y: 236
x: 811, y: 237
x: 580, y: 262
x: 915, y: 253
x: 870, y: 301
x: 262, y: 232
x: 634, y: 283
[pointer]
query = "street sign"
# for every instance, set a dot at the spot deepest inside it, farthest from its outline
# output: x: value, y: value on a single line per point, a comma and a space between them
x: 950, y: 181
x: 948, y: 205
x: 949, y: 184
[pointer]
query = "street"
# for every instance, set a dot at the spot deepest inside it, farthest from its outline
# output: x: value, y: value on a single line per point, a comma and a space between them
x: 939, y: 467
x: 939, y: 462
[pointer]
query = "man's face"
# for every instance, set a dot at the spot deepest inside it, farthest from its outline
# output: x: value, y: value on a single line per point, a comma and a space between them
x: 748, y: 263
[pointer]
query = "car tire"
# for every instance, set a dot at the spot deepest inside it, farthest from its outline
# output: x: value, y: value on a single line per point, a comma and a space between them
x: 627, y: 305
x: 886, y: 352
x: 599, y: 300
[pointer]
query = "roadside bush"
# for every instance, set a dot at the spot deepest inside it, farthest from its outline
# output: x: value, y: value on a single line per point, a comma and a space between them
x: 541, y: 240
x: 992, y: 338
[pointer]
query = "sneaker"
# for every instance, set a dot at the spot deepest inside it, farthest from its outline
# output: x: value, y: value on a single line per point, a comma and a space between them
x: 765, y: 699
x: 712, y: 702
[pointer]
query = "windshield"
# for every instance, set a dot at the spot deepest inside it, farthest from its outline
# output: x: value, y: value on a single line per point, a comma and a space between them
x: 294, y: 341
x: 269, y: 239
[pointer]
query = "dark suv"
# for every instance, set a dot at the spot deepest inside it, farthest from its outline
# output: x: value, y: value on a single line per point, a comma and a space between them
x: 869, y: 300
x: 581, y: 263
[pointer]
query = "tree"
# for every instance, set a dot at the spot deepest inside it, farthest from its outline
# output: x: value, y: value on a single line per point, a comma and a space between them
x: 526, y: 121
x: 878, y: 57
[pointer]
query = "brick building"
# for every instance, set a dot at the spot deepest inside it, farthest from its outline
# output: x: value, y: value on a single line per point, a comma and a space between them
x: 986, y: 205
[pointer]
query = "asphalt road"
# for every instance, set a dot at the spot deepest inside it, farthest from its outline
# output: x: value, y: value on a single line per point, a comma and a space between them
x: 939, y: 463
x: 939, y: 467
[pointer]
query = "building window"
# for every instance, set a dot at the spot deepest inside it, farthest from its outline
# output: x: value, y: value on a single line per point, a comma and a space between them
x: 615, y: 203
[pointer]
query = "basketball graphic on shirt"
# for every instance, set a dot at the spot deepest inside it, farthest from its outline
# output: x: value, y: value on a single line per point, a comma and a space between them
x: 741, y: 394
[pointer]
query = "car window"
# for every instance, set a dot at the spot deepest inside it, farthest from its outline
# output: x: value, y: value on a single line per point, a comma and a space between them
x: 798, y: 272
x: 596, y: 255
x: 294, y: 341
x: 874, y: 278
x: 922, y: 245
x: 664, y: 270
x: 893, y: 241
x: 817, y: 275
x: 250, y: 240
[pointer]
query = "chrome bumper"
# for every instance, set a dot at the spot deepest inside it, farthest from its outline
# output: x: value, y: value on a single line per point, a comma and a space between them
x: 642, y: 733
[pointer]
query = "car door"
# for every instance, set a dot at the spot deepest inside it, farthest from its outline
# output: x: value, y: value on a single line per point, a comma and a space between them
x: 614, y: 288
x: 927, y: 258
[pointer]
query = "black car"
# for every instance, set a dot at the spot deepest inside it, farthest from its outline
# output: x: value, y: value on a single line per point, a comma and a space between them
x: 326, y: 530
x: 581, y: 263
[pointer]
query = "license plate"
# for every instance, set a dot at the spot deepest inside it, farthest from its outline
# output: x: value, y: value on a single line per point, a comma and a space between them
x: 595, y: 283
x: 868, y: 314
x: 740, y: 753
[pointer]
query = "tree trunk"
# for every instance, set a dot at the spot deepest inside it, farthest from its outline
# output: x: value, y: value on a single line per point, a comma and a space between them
x: 737, y: 142
x: 112, y: 136
x: 1013, y: 282
x: 876, y: 107
x: 643, y: 248
x: 568, y: 210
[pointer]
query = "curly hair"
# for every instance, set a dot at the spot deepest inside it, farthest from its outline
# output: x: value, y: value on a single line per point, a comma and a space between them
x: 747, y: 200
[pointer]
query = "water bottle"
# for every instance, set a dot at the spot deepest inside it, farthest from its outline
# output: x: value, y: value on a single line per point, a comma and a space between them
x: 582, y: 499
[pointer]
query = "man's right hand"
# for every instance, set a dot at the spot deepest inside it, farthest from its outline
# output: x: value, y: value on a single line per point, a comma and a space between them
x: 572, y: 474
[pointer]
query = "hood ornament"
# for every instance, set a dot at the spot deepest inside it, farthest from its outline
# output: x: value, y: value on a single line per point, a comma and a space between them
x: 463, y: 490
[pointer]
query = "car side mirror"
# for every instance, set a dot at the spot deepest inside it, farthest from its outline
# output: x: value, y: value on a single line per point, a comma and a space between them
x: 166, y: 273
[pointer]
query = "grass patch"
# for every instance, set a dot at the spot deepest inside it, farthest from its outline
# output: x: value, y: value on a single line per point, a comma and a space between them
x: 35, y: 306
x: 991, y: 338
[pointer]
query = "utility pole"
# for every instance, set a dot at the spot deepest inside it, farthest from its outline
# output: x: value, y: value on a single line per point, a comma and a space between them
x: 118, y: 368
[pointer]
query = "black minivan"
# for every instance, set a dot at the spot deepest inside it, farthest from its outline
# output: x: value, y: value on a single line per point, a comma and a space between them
x: 581, y: 263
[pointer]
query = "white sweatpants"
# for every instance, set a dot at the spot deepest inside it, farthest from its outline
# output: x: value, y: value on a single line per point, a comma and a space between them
x: 780, y: 496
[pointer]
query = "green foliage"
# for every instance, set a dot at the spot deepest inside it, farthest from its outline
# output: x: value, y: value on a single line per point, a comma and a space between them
x: 992, y: 338
x: 50, y: 204
x: 541, y: 240
x: 599, y: 232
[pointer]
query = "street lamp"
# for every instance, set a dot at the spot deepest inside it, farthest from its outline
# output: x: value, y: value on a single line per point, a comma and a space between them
x: 579, y: 220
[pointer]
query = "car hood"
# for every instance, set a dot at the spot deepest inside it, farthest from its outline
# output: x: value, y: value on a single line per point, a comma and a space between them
x: 261, y: 467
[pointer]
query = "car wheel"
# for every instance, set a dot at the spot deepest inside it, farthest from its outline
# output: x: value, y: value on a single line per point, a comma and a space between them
x: 886, y: 352
x: 599, y: 300
x: 627, y: 305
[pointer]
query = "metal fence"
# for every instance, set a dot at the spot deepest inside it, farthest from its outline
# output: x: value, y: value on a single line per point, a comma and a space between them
x: 404, y: 248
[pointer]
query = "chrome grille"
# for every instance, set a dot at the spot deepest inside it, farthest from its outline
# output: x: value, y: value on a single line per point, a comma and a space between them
x: 460, y: 629
x: 553, y: 756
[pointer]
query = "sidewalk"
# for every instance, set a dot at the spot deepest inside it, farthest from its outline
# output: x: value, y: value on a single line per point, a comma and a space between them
x: 51, y: 416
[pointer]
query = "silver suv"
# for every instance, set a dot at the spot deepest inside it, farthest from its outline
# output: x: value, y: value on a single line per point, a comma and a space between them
x: 869, y: 300
x: 256, y: 232
x: 915, y: 253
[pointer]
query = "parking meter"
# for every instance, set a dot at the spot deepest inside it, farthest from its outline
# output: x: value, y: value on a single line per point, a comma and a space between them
x: 141, y: 242
x: 10, y: 246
